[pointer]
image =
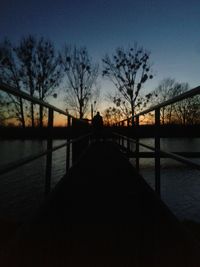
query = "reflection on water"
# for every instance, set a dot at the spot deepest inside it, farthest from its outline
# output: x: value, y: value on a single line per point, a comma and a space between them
x: 180, y: 188
x: 22, y: 190
x: 180, y: 184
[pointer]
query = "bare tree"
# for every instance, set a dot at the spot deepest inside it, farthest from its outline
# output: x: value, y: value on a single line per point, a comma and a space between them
x: 167, y: 89
x: 10, y: 74
x: 26, y: 53
x: 40, y: 69
x: 48, y: 71
x: 128, y: 70
x: 183, y: 112
x: 194, y: 110
x: 81, y: 77
x: 188, y: 110
x: 112, y: 115
x: 2, y: 110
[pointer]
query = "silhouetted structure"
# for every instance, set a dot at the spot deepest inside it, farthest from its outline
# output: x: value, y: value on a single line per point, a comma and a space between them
x: 100, y: 215
x: 102, y: 211
x: 97, y: 123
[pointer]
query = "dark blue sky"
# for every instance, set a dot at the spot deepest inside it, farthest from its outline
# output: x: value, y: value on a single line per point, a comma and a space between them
x: 169, y: 29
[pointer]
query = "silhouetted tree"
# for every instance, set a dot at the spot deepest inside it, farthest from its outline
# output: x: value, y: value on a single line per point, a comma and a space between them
x: 81, y: 77
x: 49, y: 71
x: 120, y: 104
x: 32, y: 66
x: 124, y: 106
x: 183, y: 112
x: 167, y: 89
x: 193, y: 110
x: 112, y: 115
x: 128, y: 70
x: 26, y: 53
x: 2, y: 111
x: 188, y: 110
x: 10, y: 74
x: 40, y: 69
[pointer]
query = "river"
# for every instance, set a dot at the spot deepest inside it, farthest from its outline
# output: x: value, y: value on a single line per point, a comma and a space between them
x: 22, y: 190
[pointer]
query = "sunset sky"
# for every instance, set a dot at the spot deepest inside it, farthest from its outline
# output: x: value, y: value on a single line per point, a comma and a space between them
x: 169, y: 29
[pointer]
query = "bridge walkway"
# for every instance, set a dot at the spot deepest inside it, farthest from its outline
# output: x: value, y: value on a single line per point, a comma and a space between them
x: 102, y: 214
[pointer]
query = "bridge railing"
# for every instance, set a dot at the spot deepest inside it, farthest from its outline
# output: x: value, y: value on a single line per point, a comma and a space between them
x: 74, y: 146
x: 158, y: 153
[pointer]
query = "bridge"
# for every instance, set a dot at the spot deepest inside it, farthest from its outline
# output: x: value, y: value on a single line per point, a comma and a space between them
x: 102, y: 212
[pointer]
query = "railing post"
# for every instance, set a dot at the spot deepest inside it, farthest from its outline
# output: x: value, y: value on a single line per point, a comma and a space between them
x: 137, y: 148
x: 122, y: 141
x: 68, y: 145
x: 49, y: 154
x: 128, y: 146
x: 122, y: 125
x: 157, y: 151
x: 68, y: 121
x: 128, y: 140
x: 68, y: 155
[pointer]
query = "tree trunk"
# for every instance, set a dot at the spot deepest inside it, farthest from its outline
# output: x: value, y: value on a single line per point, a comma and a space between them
x: 22, y: 112
x: 170, y: 115
x: 41, y: 116
x: 184, y: 116
x: 32, y: 106
x: 132, y: 113
x: 22, y: 119
x: 81, y: 109
x: 32, y: 116
x: 163, y: 115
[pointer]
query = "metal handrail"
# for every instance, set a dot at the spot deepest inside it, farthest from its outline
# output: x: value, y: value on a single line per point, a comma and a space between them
x: 167, y: 153
x: 193, y: 92
x: 51, y: 109
x: 157, y: 156
x: 11, y: 90
x: 188, y: 94
x: 16, y: 164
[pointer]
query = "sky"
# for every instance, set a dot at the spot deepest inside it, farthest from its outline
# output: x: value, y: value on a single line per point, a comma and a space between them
x: 170, y: 30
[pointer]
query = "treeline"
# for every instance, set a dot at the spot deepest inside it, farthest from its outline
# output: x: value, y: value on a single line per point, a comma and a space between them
x: 32, y: 66
x: 35, y: 66
x: 185, y: 112
x: 129, y: 70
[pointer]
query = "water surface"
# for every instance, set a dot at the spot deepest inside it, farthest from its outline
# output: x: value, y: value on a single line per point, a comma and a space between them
x: 22, y: 190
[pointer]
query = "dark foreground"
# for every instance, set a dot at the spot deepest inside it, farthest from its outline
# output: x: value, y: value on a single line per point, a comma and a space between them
x: 102, y: 214
x: 142, y: 131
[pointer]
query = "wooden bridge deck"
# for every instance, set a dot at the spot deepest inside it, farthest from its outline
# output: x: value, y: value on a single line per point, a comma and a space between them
x: 102, y: 214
